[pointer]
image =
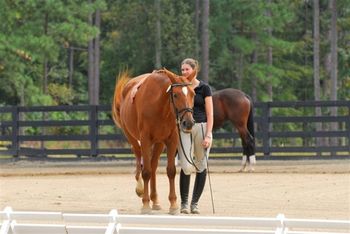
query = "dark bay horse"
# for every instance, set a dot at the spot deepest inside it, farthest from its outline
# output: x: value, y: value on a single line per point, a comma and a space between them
x: 235, y: 106
x: 148, y: 108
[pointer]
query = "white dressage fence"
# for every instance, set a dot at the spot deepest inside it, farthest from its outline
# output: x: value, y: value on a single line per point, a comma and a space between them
x: 23, y: 222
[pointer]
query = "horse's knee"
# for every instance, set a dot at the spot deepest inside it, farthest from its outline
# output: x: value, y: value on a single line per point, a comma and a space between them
x: 171, y: 171
x: 146, y: 175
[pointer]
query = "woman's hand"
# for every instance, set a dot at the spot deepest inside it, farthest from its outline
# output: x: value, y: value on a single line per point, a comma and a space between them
x: 207, y: 141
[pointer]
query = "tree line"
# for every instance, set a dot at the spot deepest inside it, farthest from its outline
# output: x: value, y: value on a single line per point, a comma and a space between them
x: 57, y: 52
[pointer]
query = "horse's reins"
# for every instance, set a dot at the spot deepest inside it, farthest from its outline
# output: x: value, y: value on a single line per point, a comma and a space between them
x: 179, y: 118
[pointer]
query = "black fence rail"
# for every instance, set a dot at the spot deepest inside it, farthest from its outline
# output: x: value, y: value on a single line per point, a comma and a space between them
x: 281, y: 129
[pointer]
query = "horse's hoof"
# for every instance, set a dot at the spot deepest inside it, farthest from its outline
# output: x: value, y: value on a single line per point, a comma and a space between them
x: 139, y: 192
x: 156, y: 207
x: 174, y: 211
x: 146, y: 210
x: 139, y: 187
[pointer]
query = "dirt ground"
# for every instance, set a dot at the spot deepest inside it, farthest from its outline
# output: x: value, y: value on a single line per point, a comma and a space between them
x: 299, y: 189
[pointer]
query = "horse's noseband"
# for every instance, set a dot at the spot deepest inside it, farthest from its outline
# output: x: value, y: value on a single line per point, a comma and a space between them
x: 179, y: 116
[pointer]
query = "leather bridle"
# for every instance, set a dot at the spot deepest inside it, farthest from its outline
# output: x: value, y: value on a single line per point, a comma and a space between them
x: 179, y: 119
x: 179, y: 113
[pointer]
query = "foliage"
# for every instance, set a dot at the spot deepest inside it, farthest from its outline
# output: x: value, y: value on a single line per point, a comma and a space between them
x: 33, y: 33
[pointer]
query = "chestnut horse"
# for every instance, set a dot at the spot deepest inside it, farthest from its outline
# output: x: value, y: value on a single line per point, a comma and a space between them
x: 235, y: 106
x: 148, y: 108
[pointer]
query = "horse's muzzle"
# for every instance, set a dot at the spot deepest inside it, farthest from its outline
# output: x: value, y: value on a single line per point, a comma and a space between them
x: 186, y: 125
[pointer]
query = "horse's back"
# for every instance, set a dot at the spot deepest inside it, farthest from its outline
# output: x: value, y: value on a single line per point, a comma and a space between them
x: 230, y: 104
x: 133, y: 84
x: 234, y: 95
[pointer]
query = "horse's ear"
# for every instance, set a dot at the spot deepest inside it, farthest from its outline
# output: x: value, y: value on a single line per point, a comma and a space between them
x: 192, y: 76
x: 172, y: 76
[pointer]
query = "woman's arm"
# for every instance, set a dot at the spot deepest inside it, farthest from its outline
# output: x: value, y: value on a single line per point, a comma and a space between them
x: 210, y: 121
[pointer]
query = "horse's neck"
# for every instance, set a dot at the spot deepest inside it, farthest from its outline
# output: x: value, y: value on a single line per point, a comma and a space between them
x: 161, y: 98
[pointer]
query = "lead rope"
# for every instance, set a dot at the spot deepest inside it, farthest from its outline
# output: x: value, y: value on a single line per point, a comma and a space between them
x: 191, y: 162
x: 210, y: 187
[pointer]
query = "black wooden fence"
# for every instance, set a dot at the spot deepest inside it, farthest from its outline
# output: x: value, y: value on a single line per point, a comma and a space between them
x: 281, y: 129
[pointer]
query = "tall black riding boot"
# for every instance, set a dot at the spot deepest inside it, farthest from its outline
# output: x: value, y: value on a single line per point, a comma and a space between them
x: 184, y: 188
x: 197, y: 190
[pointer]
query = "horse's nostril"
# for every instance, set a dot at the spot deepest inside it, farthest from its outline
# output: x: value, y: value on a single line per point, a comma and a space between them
x: 187, y: 124
x: 184, y: 124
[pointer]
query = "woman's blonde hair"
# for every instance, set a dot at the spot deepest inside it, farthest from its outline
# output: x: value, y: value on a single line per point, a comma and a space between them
x: 192, y: 62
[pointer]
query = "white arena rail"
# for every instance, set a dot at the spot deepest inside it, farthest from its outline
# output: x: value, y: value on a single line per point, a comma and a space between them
x: 23, y: 222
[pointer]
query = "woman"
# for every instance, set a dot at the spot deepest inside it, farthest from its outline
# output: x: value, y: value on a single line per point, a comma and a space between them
x: 194, y: 148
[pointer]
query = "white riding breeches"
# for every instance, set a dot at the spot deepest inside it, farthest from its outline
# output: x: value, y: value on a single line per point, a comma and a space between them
x: 191, y: 151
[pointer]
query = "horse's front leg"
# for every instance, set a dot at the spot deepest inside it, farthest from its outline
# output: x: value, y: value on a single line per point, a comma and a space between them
x: 171, y: 172
x: 157, y: 150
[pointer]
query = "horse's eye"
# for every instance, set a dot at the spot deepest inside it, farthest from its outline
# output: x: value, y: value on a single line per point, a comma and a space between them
x: 175, y: 95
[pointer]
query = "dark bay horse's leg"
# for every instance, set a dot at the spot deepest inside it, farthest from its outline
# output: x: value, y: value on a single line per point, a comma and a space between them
x: 248, y: 150
x: 250, y: 146
x: 246, y: 131
x: 157, y: 150
x: 171, y: 172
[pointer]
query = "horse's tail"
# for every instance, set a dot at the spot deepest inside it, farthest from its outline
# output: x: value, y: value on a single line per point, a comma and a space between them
x: 250, y: 123
x: 121, y: 81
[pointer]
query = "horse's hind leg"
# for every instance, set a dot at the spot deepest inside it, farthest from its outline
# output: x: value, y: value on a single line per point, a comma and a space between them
x: 248, y: 159
x: 139, y: 182
x: 157, y: 150
x: 135, y: 146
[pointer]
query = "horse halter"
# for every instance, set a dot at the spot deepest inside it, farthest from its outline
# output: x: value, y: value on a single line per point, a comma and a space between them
x: 184, y: 110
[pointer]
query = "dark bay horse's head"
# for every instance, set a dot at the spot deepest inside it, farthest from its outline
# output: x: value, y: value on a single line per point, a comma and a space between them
x: 182, y: 99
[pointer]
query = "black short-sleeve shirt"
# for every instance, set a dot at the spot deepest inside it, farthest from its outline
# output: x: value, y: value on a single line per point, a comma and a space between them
x: 202, y: 91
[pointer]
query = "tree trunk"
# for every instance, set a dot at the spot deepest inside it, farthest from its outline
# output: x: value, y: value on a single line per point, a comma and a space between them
x: 205, y: 41
x: 254, y: 61
x: 240, y: 65
x: 158, y: 62
x: 91, y: 72
x: 316, y: 51
x: 45, y: 75
x: 96, y: 86
x: 71, y: 67
x: 270, y: 63
x: 334, y: 66
x: 269, y: 54
x: 45, y: 83
x: 196, y: 21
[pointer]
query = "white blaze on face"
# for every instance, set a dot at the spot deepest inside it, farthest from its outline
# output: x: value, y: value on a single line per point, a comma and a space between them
x: 185, y: 90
